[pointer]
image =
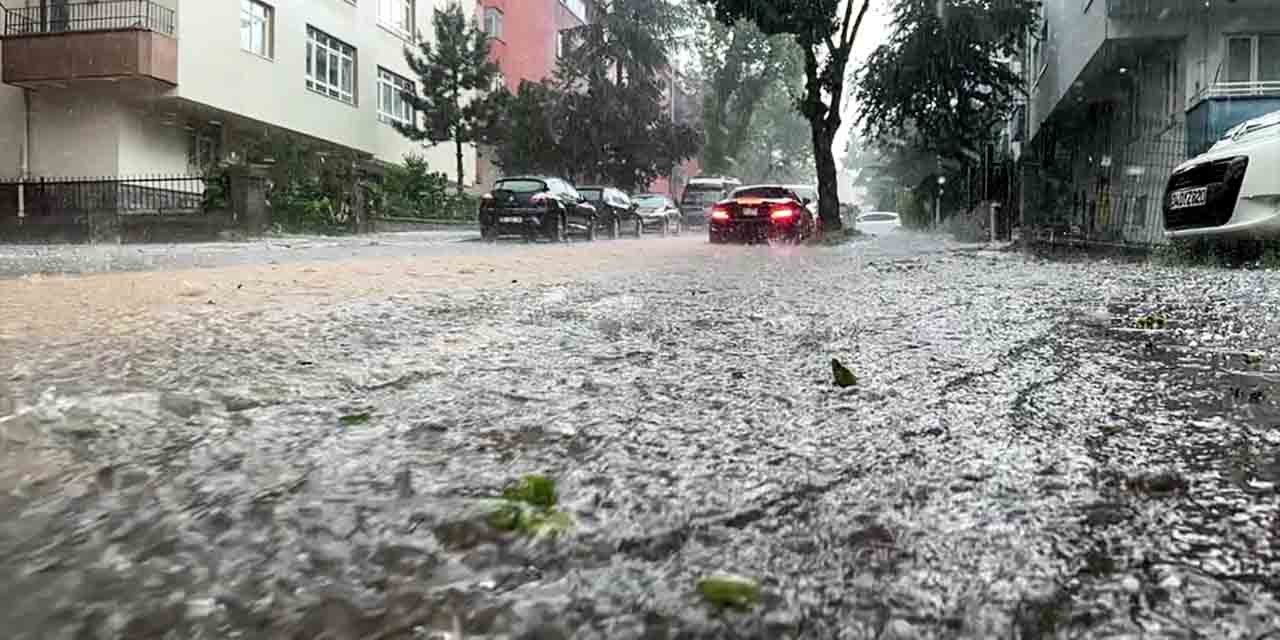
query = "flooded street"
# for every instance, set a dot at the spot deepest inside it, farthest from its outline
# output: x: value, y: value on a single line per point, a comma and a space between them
x: 311, y: 448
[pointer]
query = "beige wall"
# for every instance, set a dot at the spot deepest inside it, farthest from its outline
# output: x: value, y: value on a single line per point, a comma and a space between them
x: 74, y: 133
x: 151, y: 142
x: 12, y: 130
x: 213, y: 70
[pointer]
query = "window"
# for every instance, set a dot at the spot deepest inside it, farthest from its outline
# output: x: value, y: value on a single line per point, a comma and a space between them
x: 256, y: 27
x: 331, y: 66
x: 397, y: 14
x: 577, y: 7
x: 493, y: 23
x: 1253, y: 58
x: 559, y: 45
x: 392, y: 107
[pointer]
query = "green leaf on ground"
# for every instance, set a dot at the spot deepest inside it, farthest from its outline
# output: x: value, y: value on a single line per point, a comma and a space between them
x: 352, y: 419
x: 505, y: 518
x: 547, y: 524
x: 533, y: 489
x: 843, y: 376
x: 730, y: 591
x: 1253, y: 357
x: 1151, y: 321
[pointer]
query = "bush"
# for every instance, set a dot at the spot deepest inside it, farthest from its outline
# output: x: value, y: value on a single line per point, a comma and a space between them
x: 970, y: 226
x: 1219, y: 252
x: 414, y: 191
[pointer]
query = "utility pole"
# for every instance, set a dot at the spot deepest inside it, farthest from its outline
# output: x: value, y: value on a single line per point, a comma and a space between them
x: 937, y: 204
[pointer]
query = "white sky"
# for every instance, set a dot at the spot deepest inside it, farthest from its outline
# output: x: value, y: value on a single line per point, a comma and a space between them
x: 874, y: 32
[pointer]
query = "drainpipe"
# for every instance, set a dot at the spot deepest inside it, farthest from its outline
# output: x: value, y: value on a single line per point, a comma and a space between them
x: 24, y: 153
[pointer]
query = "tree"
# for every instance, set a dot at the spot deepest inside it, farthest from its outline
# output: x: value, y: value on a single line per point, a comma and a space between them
x: 777, y: 147
x: 521, y: 129
x: 825, y: 31
x: 455, y: 77
x: 741, y: 65
x: 943, y: 80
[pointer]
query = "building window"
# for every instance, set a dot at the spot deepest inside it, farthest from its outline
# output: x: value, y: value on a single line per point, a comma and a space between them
x: 577, y: 7
x: 493, y: 23
x: 331, y: 66
x: 1253, y: 58
x: 257, y: 27
x: 397, y: 14
x: 392, y: 106
x: 559, y: 44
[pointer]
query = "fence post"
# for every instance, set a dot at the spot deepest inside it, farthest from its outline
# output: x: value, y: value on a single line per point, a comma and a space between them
x: 249, y: 198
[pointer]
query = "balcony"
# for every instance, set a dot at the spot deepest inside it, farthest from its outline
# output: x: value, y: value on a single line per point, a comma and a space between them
x: 1225, y: 105
x: 1161, y: 10
x: 63, y: 43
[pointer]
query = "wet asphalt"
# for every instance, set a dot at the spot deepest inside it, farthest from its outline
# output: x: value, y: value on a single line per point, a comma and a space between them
x: 1026, y: 453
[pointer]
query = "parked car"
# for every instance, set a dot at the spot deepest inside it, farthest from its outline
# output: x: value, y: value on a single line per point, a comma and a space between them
x: 1231, y: 189
x: 615, y: 211
x: 879, y: 223
x: 702, y: 193
x: 536, y: 206
x: 659, y: 213
x: 761, y: 213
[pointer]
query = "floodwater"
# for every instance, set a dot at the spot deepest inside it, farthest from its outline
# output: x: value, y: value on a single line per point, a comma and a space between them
x: 1019, y: 458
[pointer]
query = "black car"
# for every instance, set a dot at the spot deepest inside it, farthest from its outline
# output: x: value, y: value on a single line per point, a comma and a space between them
x: 616, y: 213
x: 533, y: 207
x: 762, y: 213
x: 659, y: 213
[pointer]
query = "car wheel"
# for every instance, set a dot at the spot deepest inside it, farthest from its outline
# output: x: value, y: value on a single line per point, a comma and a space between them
x: 489, y: 234
x: 560, y: 233
x: 715, y: 238
x: 591, y: 230
x: 666, y: 227
x: 615, y: 229
x: 639, y: 227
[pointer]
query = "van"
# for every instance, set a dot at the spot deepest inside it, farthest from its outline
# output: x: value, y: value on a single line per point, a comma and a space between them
x: 700, y: 194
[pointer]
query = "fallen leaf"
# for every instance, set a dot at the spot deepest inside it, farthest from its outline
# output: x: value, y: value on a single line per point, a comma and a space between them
x: 731, y: 591
x: 352, y: 419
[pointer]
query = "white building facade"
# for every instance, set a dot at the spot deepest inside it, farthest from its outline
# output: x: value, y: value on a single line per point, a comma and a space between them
x: 131, y: 87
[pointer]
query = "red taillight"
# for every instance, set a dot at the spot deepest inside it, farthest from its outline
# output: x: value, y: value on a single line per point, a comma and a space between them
x: 785, y: 212
x: 719, y: 213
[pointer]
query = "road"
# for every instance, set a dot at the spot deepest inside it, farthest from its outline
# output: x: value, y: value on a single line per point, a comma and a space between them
x: 311, y: 448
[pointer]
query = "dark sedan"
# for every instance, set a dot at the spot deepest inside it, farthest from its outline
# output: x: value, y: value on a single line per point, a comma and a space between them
x: 536, y: 207
x: 659, y: 213
x: 762, y: 213
x: 616, y: 213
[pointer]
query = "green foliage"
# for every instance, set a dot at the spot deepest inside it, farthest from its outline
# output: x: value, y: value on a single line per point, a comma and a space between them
x: 915, y: 214
x: 743, y: 68
x: 536, y: 490
x: 353, y: 419
x: 729, y: 591
x: 528, y: 507
x: 825, y: 31
x: 778, y: 148
x: 415, y: 191
x: 310, y: 188
x: 942, y: 83
x: 454, y: 77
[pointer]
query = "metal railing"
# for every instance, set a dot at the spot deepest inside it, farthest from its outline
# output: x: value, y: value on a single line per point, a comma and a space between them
x: 39, y: 197
x: 102, y: 15
x: 1241, y: 90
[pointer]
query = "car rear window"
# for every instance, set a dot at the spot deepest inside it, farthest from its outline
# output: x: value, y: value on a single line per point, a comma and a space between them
x: 650, y: 201
x: 521, y: 186
x: 592, y: 194
x: 701, y: 195
x: 762, y: 192
x: 878, y: 217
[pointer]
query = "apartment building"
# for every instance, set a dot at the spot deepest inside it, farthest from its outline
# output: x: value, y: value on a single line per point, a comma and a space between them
x: 129, y: 87
x: 1121, y: 91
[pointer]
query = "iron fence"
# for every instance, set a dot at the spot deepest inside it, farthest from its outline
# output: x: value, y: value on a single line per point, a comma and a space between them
x: 99, y: 15
x: 1104, y: 184
x: 44, y: 197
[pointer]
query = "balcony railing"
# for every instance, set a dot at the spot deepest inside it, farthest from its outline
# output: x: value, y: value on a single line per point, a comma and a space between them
x: 102, y: 15
x: 1242, y: 89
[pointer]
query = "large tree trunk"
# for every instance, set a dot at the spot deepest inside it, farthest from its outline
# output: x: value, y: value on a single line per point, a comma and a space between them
x: 828, y: 177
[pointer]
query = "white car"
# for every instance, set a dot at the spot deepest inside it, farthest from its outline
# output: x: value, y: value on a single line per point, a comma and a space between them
x: 1231, y: 189
x: 878, y: 223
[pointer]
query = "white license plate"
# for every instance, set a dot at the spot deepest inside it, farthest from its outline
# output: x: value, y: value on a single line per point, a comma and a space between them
x: 749, y: 212
x: 512, y: 220
x: 1187, y: 198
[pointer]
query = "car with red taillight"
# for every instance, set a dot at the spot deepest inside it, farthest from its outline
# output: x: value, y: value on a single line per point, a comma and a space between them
x: 536, y: 207
x: 761, y: 213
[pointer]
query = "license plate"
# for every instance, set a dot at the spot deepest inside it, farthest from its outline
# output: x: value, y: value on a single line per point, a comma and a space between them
x: 749, y: 212
x: 512, y: 220
x: 1187, y: 198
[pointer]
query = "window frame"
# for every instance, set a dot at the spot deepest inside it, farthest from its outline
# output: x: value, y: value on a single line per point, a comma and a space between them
x: 319, y: 41
x: 499, y: 18
x: 387, y: 77
x: 1255, y: 55
x: 404, y: 10
x: 269, y: 20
